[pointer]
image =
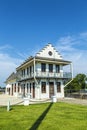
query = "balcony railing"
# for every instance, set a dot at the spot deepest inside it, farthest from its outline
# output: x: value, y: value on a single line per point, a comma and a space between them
x: 53, y: 74
x: 46, y: 75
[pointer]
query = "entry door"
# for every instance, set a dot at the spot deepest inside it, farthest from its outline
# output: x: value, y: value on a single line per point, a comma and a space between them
x: 51, y: 89
x: 33, y: 90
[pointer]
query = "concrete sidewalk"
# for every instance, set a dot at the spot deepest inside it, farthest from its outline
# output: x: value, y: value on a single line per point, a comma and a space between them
x: 4, y: 99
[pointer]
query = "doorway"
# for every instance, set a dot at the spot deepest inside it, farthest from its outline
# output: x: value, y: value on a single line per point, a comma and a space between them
x: 33, y: 90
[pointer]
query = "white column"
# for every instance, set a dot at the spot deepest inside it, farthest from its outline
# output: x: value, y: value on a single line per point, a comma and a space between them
x: 34, y: 67
x: 55, y: 91
x: 71, y: 69
x: 39, y: 90
x: 31, y: 89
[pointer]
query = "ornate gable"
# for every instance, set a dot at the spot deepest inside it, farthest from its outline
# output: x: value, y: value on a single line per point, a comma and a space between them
x: 49, y: 52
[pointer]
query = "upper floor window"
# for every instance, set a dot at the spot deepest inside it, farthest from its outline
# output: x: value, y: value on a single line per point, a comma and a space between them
x: 57, y: 68
x: 43, y: 67
x: 23, y: 72
x: 30, y: 70
x: 50, y: 67
x: 27, y: 70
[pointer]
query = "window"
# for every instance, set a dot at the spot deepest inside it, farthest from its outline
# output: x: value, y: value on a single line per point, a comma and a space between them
x: 30, y: 70
x: 27, y: 70
x: 58, y: 86
x: 27, y: 87
x: 43, y: 87
x: 15, y: 87
x: 22, y: 73
x: 18, y: 87
x: 50, y: 53
x: 57, y: 68
x: 43, y: 67
x: 50, y: 67
x: 30, y: 87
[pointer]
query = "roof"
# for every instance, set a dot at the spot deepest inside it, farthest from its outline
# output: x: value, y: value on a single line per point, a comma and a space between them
x: 12, y: 77
x: 53, y: 60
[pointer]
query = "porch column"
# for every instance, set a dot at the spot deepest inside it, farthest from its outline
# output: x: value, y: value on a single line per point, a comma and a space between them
x: 31, y: 89
x: 34, y: 68
x: 55, y: 91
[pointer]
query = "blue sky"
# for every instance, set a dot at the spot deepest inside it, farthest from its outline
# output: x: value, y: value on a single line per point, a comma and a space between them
x: 26, y: 26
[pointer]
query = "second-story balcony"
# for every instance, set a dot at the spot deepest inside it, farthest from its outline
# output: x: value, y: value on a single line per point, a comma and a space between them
x: 39, y: 74
x: 53, y: 74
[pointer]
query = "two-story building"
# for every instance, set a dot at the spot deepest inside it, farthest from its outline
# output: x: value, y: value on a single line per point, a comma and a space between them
x: 42, y: 75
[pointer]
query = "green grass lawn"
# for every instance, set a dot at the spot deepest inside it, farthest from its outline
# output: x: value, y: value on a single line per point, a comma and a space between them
x: 48, y: 116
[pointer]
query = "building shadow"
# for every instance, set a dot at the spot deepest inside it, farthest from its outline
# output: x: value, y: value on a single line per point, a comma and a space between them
x: 41, y: 117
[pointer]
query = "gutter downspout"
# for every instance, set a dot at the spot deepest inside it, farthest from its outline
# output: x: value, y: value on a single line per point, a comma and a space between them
x: 34, y: 73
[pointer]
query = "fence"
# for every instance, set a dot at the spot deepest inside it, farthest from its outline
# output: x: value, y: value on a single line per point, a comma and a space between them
x: 81, y: 94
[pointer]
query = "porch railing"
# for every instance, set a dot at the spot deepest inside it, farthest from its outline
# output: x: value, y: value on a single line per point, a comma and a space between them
x: 46, y: 75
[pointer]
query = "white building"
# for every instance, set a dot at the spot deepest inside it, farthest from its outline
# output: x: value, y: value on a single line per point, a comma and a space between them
x: 42, y: 75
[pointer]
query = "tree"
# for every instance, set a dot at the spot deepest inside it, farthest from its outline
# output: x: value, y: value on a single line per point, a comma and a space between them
x: 79, y: 82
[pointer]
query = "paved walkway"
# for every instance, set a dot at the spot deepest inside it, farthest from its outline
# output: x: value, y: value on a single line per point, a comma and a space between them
x: 4, y: 99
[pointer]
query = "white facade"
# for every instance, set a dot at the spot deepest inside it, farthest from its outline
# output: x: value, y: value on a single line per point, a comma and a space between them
x: 42, y: 76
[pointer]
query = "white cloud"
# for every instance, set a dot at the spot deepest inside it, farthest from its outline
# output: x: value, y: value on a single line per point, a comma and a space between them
x: 5, y: 47
x: 83, y: 35
x: 8, y: 63
x: 73, y: 48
